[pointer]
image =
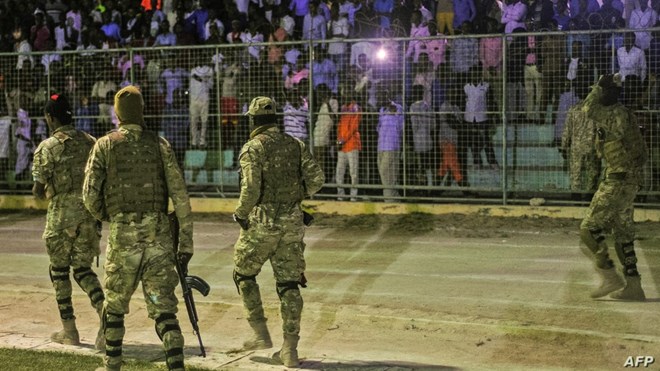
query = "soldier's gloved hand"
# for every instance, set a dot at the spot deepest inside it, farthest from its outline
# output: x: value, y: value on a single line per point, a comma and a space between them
x: 244, y: 223
x: 184, y: 258
x: 308, y: 219
x: 562, y: 152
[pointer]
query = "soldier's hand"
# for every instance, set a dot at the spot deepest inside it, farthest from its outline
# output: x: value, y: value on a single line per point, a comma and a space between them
x: 308, y: 219
x: 562, y: 152
x: 244, y: 223
x: 184, y: 259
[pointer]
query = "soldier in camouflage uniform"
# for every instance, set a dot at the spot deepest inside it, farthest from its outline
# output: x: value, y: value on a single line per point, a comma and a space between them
x: 130, y: 175
x: 277, y: 172
x: 71, y: 234
x: 620, y: 143
x: 577, y: 142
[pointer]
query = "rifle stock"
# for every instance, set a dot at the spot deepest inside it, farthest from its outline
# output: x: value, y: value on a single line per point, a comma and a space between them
x: 188, y: 281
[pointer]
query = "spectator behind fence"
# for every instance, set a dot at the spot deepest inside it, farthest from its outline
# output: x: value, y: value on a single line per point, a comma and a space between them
x: 324, y: 130
x: 631, y: 59
x: 295, y: 116
x: 339, y: 29
x: 24, y: 144
x: 175, y: 124
x: 513, y: 14
x: 390, y: 133
x: 423, y: 124
x: 478, y: 134
x: 86, y: 113
x: 201, y: 84
x: 444, y: 16
x: 532, y: 76
x: 24, y: 49
x: 552, y: 55
x: 349, y: 145
x: 515, y: 63
x: 230, y: 74
x: 641, y: 18
x: 448, y: 122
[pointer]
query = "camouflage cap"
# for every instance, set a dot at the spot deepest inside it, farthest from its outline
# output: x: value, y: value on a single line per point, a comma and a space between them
x: 261, y: 106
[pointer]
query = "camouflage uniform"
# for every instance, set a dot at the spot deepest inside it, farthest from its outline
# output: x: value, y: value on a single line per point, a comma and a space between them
x: 71, y: 234
x: 578, y: 141
x: 277, y: 172
x: 129, y: 177
x: 620, y: 143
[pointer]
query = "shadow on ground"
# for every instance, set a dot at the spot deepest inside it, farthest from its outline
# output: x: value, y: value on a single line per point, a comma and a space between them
x: 359, y: 365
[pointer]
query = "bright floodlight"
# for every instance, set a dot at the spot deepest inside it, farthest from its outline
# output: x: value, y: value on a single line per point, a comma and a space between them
x: 381, y: 54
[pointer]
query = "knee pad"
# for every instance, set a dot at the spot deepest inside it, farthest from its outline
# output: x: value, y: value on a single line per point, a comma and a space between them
x: 91, y: 287
x: 58, y: 273
x: 165, y: 323
x: 593, y: 238
x: 626, y: 253
x: 283, y: 287
x: 238, y: 278
x: 80, y: 273
x: 113, y: 329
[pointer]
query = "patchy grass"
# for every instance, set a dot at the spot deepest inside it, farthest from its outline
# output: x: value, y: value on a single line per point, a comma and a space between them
x: 30, y: 360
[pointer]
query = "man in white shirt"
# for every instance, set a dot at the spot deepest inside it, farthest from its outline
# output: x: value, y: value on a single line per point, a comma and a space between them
x: 642, y: 17
x: 632, y: 60
x: 201, y: 83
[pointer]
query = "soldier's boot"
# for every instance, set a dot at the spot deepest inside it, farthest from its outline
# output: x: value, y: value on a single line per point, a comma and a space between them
x: 260, y: 339
x: 288, y: 355
x: 99, y: 343
x: 610, y: 282
x: 633, y: 290
x: 68, y: 335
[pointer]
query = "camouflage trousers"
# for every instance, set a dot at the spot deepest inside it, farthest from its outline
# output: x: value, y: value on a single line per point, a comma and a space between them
x: 584, y: 172
x: 74, y: 247
x: 279, y: 240
x: 611, y: 209
x: 141, y: 251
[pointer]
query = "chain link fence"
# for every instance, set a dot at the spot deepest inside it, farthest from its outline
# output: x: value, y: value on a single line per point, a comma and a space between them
x: 394, y: 119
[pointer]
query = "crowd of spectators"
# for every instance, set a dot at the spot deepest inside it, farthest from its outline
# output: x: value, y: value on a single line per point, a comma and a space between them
x: 447, y: 91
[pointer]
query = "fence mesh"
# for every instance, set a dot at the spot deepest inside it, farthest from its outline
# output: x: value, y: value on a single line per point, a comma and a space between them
x: 387, y: 118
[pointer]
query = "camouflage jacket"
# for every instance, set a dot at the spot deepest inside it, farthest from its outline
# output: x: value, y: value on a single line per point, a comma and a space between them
x: 618, y: 137
x: 96, y: 173
x: 56, y: 167
x: 283, y: 177
x: 579, y: 132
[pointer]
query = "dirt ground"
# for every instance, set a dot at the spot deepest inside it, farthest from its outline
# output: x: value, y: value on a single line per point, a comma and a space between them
x: 385, y: 292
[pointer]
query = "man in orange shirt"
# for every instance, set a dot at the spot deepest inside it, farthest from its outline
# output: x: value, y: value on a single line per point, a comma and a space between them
x: 349, y: 146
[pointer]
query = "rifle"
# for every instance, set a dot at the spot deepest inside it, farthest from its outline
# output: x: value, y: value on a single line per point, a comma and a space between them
x: 188, y: 281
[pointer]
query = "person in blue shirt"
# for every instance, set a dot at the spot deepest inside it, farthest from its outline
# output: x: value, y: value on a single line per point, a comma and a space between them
x: 464, y: 11
x: 390, y: 133
x: 110, y: 28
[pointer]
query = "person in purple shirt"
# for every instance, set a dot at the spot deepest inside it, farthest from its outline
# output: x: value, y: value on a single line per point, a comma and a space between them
x: 464, y: 11
x: 300, y: 9
x: 110, y: 28
x: 197, y: 19
x: 390, y: 131
x: 384, y: 9
x: 165, y: 36
x: 583, y: 7
x: 324, y: 71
